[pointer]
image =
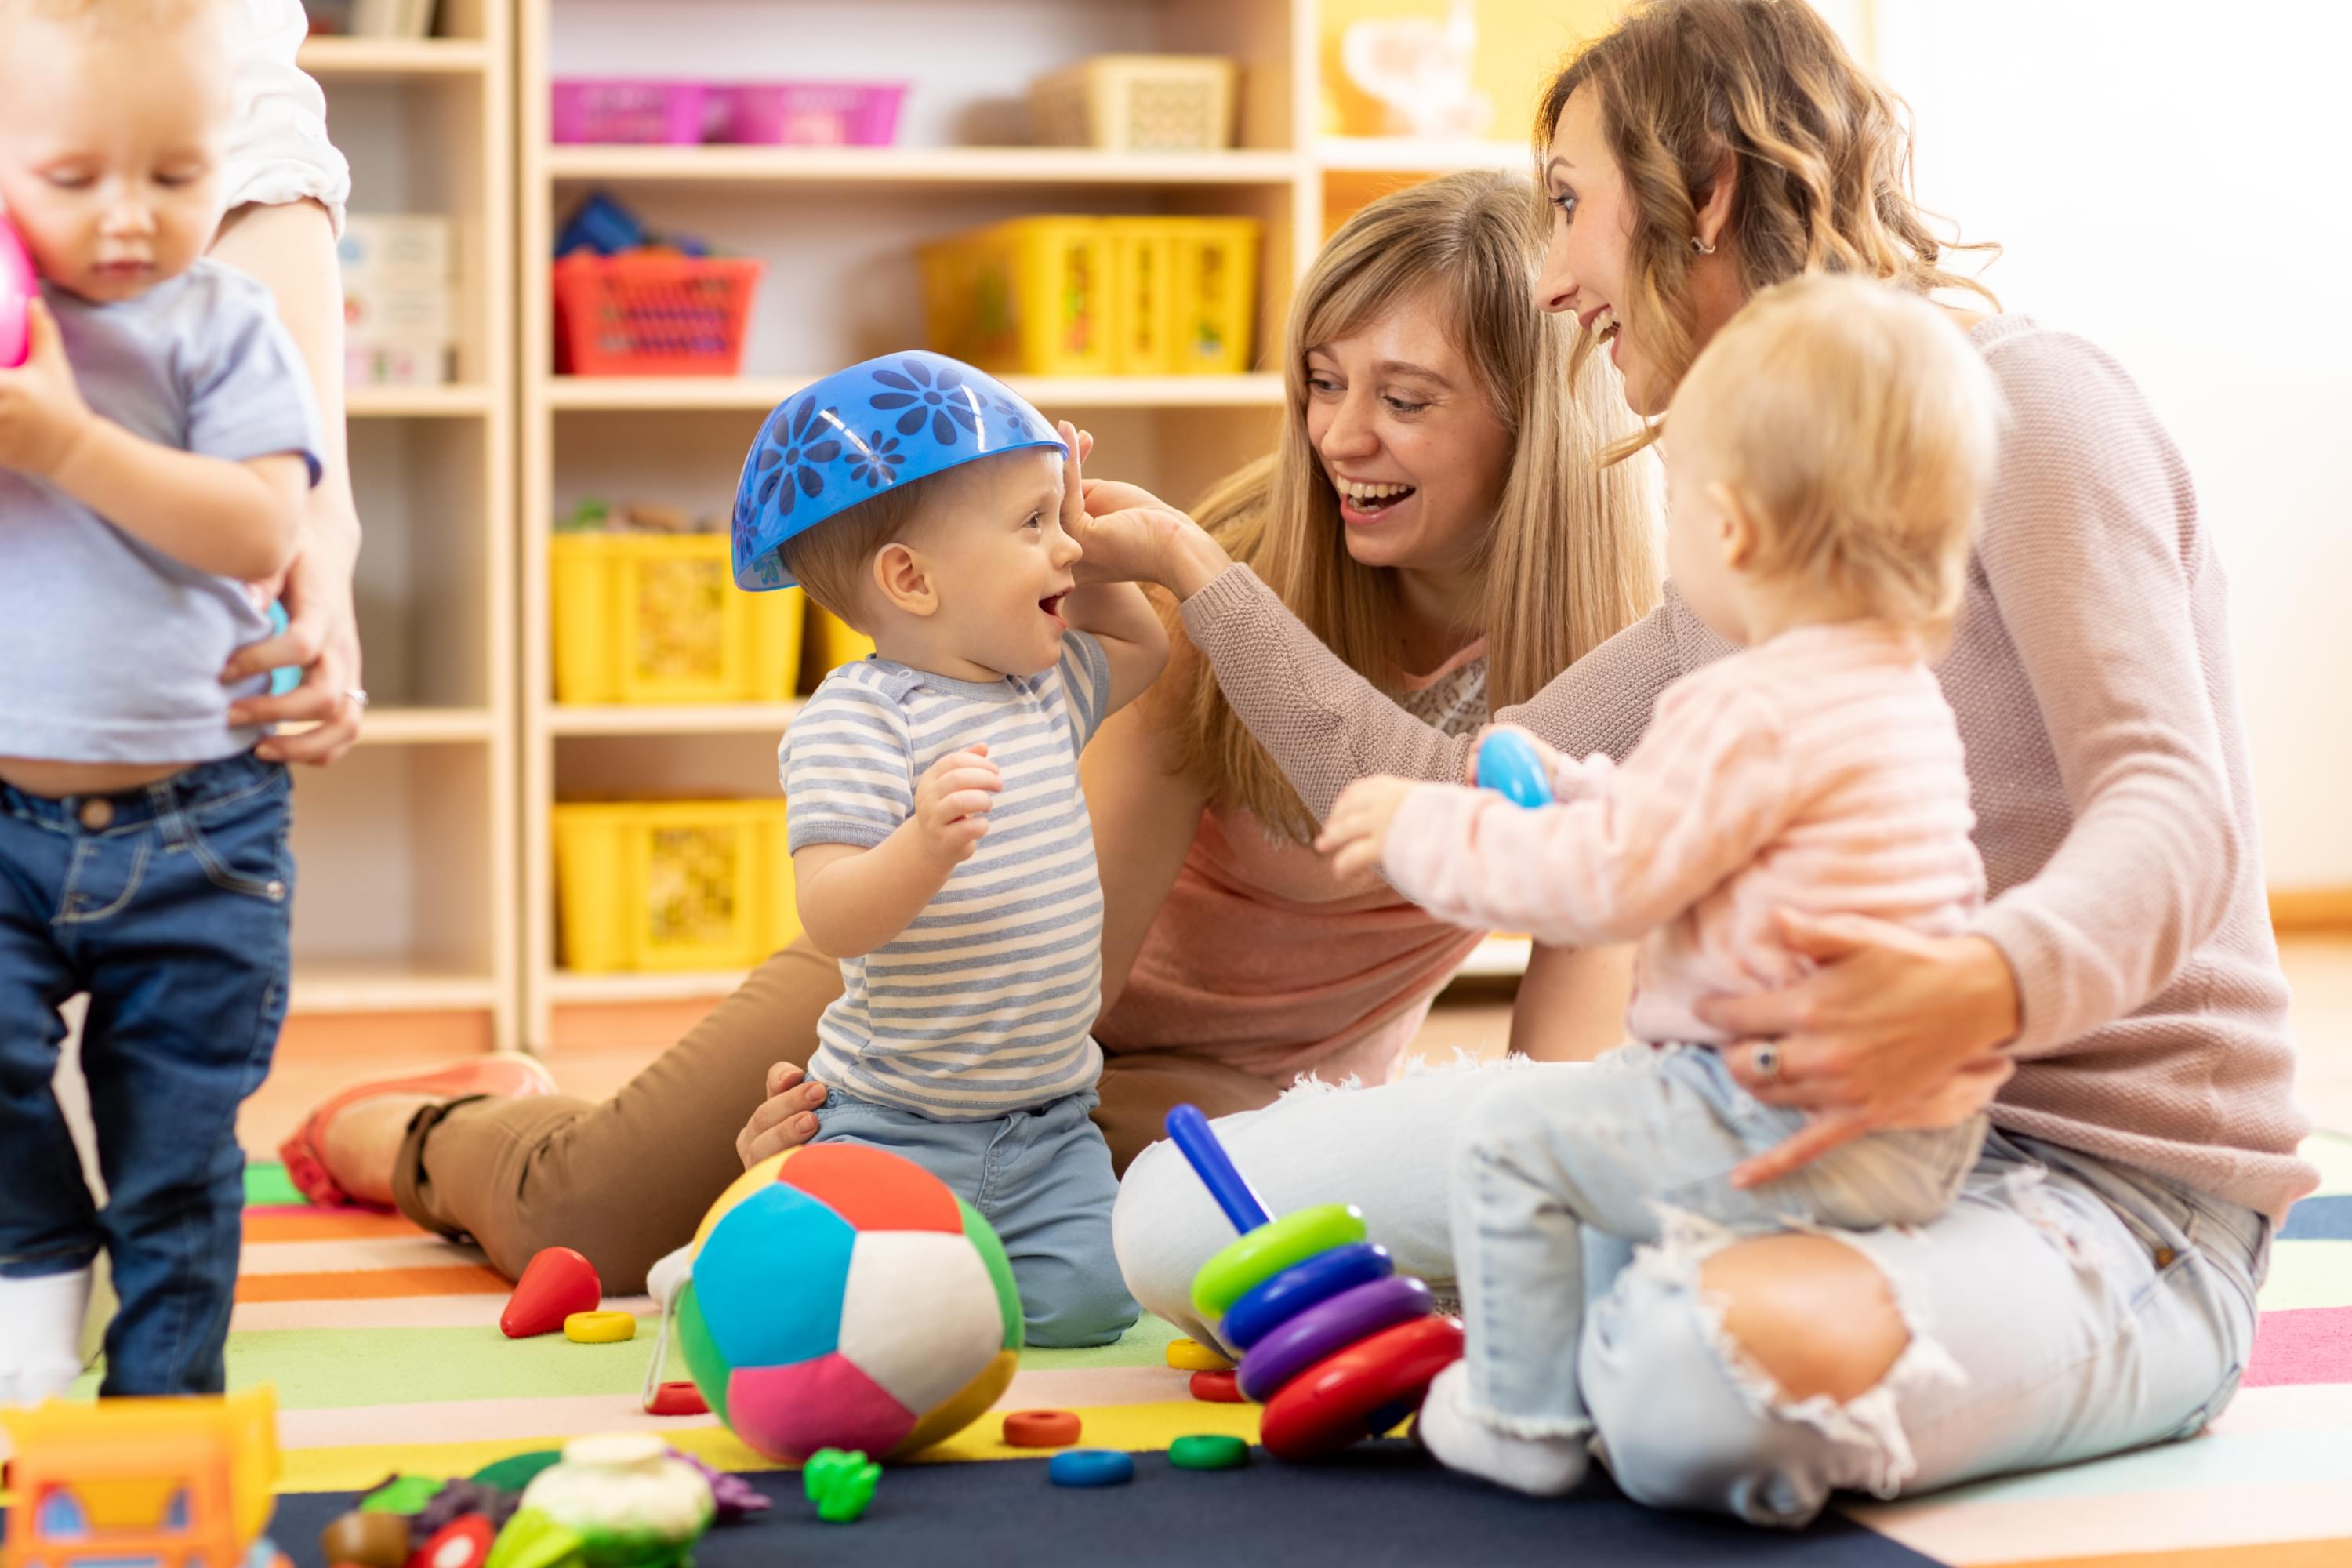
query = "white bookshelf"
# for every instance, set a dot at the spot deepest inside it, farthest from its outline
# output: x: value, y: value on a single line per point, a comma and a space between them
x: 407, y: 899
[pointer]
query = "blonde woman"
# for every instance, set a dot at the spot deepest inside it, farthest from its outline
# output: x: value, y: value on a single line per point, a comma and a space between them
x: 1434, y: 508
x: 2093, y: 1289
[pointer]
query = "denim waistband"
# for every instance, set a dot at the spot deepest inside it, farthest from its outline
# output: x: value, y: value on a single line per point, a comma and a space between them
x: 2203, y: 1219
x: 193, y: 788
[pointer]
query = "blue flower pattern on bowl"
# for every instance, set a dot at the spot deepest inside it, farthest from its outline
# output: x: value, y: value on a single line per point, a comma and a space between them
x: 875, y: 461
x: 942, y: 402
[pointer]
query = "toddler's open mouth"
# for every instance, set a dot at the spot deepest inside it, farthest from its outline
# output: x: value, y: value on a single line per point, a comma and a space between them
x: 1052, y: 604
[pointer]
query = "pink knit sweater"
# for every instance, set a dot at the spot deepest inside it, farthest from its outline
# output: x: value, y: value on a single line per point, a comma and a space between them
x: 2091, y: 674
x: 1820, y: 771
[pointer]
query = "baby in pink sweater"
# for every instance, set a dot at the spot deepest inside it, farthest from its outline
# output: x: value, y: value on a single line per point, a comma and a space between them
x: 1825, y: 459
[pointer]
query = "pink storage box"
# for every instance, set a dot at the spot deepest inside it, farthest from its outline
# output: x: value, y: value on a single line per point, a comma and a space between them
x: 639, y: 110
x: 807, y: 113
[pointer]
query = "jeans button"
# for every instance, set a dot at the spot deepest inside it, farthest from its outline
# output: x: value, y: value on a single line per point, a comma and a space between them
x: 97, y: 814
x: 276, y: 891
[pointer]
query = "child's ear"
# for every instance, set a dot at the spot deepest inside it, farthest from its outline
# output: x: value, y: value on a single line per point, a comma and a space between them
x: 1735, y: 525
x: 904, y: 580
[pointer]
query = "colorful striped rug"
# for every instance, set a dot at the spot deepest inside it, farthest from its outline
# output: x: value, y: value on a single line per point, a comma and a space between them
x: 384, y: 1347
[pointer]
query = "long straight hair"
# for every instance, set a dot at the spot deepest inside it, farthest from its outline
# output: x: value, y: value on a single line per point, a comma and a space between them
x: 1571, y: 556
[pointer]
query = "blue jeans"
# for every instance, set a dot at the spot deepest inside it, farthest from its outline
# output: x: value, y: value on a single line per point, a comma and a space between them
x: 168, y: 905
x: 1645, y: 1142
x: 2064, y: 1308
x: 1041, y: 1178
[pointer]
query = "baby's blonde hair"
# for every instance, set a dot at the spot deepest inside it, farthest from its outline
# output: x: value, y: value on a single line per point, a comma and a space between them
x: 833, y: 561
x: 111, y: 17
x: 1858, y: 426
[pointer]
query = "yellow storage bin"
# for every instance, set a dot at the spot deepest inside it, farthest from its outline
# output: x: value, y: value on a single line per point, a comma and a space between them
x: 651, y: 617
x: 828, y: 643
x: 1088, y: 295
x: 688, y: 884
x: 1128, y: 103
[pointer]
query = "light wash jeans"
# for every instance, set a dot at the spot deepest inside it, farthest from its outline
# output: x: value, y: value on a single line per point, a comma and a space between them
x: 2064, y: 1308
x: 1041, y: 1177
x: 1645, y: 1141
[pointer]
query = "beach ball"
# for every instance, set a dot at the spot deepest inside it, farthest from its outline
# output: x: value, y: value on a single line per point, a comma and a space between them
x: 840, y: 1297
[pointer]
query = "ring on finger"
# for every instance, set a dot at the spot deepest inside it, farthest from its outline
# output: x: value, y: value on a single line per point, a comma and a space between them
x: 1767, y: 1061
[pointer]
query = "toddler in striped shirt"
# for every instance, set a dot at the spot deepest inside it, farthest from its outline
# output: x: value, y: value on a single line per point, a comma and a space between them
x: 940, y: 845
x: 1826, y: 458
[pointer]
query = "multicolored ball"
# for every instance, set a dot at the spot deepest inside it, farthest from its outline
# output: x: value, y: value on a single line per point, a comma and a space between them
x: 842, y: 1296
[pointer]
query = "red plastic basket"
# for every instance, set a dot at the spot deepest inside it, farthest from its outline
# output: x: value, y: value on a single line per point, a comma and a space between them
x: 807, y: 113
x: 635, y: 111
x: 651, y: 314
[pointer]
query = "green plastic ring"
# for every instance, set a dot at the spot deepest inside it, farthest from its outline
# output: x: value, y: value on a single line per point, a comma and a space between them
x: 1264, y: 1252
x: 1208, y: 1451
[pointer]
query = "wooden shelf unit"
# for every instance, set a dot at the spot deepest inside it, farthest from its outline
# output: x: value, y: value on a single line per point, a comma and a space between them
x: 408, y: 898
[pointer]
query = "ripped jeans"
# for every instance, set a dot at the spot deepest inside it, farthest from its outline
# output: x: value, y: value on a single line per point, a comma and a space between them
x: 2063, y: 1309
x: 1546, y: 1164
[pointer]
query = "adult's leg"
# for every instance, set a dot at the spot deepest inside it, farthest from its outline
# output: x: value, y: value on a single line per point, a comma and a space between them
x: 1138, y: 1089
x: 625, y: 1181
x: 1386, y: 1150
x: 2065, y: 1308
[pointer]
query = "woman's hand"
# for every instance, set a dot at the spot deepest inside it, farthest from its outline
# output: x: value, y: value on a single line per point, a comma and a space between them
x: 321, y: 639
x: 1131, y: 535
x: 1357, y: 833
x: 785, y: 1119
x: 1893, y: 1029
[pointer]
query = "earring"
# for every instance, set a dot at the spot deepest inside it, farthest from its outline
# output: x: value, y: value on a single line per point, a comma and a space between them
x: 1701, y: 246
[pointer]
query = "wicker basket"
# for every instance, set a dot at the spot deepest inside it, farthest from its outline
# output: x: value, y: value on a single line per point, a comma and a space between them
x: 1136, y: 104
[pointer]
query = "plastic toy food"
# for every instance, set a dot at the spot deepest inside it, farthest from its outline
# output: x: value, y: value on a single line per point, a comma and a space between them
x: 630, y: 1503
x: 556, y: 1283
x: 840, y: 1297
x: 1338, y: 1345
x: 1508, y: 766
x: 840, y: 1484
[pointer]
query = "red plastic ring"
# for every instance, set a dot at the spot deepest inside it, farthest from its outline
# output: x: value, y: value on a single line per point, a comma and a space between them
x: 1218, y: 1388
x: 1332, y: 1403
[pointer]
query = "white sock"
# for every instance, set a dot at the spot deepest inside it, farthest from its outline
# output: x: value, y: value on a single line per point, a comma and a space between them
x: 1540, y: 1467
x: 41, y: 1354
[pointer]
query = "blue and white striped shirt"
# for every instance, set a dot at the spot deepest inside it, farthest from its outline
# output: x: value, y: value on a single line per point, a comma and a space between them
x: 982, y: 1005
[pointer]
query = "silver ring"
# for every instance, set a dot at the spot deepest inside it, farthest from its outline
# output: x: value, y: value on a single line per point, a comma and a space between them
x: 1767, y: 1061
x: 358, y: 694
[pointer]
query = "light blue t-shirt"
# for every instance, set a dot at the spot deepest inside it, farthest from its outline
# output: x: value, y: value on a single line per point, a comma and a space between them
x: 110, y: 651
x: 982, y: 1005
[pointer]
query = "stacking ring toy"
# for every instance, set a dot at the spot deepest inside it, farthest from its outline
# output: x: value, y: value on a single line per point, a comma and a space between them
x: 1301, y: 1286
x: 600, y: 1328
x: 1361, y: 1392
x: 1208, y: 1451
x: 1041, y: 1429
x: 1325, y: 1329
x: 1190, y: 1129
x: 1089, y: 1468
x: 1508, y: 766
x: 1192, y: 1355
x: 1217, y: 1388
x: 1263, y: 1253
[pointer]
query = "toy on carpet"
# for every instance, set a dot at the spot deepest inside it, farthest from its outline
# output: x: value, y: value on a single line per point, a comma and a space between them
x: 20, y: 284
x: 1218, y: 1388
x: 1192, y: 1355
x: 676, y: 1397
x: 840, y: 1297
x: 400, y: 1494
x: 154, y: 1480
x: 1337, y: 1343
x: 556, y: 1283
x: 840, y: 1484
x: 516, y: 1471
x: 1208, y: 1451
x: 1090, y: 1468
x: 457, y: 1499
x: 735, y: 1497
x: 1042, y: 1429
x: 465, y: 1541
x: 597, y: 1328
x: 628, y: 1500
x: 1514, y: 769
x: 366, y: 1539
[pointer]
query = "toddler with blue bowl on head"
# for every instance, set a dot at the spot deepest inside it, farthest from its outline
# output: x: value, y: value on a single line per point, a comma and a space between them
x: 942, y: 849
x: 156, y: 449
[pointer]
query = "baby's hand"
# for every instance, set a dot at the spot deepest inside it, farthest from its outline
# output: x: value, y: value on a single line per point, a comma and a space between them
x: 1569, y: 776
x: 1358, y: 830
x: 952, y: 802
x: 42, y: 414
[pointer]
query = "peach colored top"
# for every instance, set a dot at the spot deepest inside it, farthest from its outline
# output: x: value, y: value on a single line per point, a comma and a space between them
x: 1262, y: 959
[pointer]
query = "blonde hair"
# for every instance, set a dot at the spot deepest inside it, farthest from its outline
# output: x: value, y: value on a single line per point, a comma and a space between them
x: 1571, y: 556
x: 833, y: 561
x: 1858, y: 426
x: 1821, y: 151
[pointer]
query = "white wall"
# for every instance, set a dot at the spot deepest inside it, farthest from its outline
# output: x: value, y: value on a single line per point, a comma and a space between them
x: 2168, y: 178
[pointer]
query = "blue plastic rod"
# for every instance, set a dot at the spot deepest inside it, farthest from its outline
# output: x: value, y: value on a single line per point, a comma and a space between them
x: 1241, y: 1202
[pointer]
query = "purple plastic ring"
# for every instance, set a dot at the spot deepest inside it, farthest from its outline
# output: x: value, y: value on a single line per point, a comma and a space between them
x: 1328, y: 1328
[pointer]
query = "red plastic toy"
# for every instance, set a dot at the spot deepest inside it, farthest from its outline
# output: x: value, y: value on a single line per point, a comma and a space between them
x: 1361, y: 1392
x: 554, y: 1284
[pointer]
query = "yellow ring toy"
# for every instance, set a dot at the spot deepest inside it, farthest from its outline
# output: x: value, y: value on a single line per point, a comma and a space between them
x: 1263, y: 1253
x: 1192, y: 1355
x: 600, y: 1328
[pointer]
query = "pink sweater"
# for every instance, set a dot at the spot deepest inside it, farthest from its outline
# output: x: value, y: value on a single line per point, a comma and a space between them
x: 2092, y: 676
x: 1821, y: 772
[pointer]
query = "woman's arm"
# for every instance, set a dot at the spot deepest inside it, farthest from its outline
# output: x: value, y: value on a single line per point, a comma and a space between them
x: 1146, y: 818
